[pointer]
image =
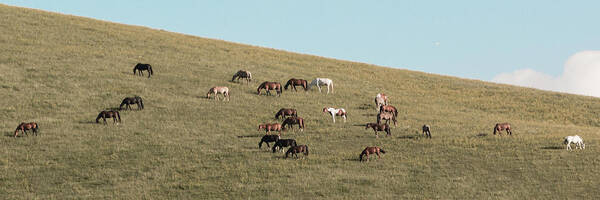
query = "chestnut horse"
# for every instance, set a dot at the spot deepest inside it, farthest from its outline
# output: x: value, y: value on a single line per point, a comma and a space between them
x: 270, y: 127
x: 268, y: 86
x: 141, y: 67
x: 387, y: 117
x: 297, y: 149
x: 127, y: 101
x: 290, y: 121
x: 218, y: 90
x: 296, y: 82
x: 23, y: 127
x: 389, y: 109
x: 371, y: 150
x: 268, y: 138
x: 109, y: 114
x: 242, y: 74
x: 335, y: 112
x: 380, y: 100
x: 286, y: 112
x: 502, y: 126
x: 426, y: 131
x: 379, y: 127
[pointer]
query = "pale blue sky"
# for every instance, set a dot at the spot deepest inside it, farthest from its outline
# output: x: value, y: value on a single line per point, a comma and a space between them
x: 471, y: 39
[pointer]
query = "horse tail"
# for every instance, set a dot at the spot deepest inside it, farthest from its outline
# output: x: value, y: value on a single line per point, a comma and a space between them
x: 118, y: 115
x: 141, y: 102
x: 150, y: 70
x: 304, y: 84
x: 35, y: 127
x: 249, y: 76
x: 495, y: 129
x: 302, y: 122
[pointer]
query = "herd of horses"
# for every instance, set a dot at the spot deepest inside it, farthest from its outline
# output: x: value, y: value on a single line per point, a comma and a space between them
x: 386, y: 113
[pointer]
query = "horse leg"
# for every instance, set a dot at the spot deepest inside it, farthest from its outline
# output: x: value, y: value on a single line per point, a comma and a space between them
x: 318, y: 86
x: 333, y: 116
x: 344, y: 118
x: 104, y: 118
x: 378, y: 157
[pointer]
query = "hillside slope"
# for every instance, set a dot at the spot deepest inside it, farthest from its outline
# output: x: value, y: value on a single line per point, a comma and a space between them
x: 60, y: 71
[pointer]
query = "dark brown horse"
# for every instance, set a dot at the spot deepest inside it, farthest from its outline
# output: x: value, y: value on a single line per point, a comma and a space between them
x: 371, y: 150
x: 141, y: 67
x: 270, y: 127
x: 268, y: 138
x: 242, y: 74
x: 502, y: 126
x: 127, y: 101
x: 23, y: 127
x: 296, y: 82
x: 286, y: 112
x: 389, y: 109
x: 283, y: 143
x: 290, y: 121
x: 387, y: 117
x: 426, y: 131
x: 297, y: 149
x: 109, y: 114
x: 379, y: 127
x: 268, y: 86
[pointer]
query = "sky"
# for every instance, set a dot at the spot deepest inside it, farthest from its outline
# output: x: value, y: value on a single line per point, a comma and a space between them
x: 533, y: 43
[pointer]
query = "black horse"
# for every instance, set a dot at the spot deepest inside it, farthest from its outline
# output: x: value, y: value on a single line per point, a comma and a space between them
x: 284, y: 143
x: 267, y: 139
x: 141, y: 67
x: 127, y: 101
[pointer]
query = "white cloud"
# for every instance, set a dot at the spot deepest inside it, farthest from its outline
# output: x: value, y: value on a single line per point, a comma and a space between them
x: 581, y: 75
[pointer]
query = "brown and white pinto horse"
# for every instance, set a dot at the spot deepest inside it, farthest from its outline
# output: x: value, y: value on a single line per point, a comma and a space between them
x: 371, y: 150
x: 23, y: 127
x: 380, y: 99
x: 389, y: 109
x: 270, y: 127
x: 502, y: 126
x: 242, y: 74
x: 336, y: 112
x: 294, y: 150
x: 218, y: 90
x: 379, y: 127
x: 286, y: 112
x: 268, y: 86
x: 296, y: 82
x: 387, y: 117
x: 109, y: 114
x: 290, y: 121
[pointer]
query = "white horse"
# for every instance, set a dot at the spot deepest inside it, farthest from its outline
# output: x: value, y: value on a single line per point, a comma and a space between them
x: 334, y: 112
x: 574, y: 139
x: 218, y: 90
x: 320, y: 82
x: 380, y: 100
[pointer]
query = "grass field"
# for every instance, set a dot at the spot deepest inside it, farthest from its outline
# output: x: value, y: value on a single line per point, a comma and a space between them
x: 60, y: 71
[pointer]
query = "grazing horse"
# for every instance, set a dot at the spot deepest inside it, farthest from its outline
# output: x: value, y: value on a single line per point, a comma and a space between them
x: 502, y: 126
x: 296, y: 82
x: 286, y: 112
x: 109, y: 114
x: 141, y: 67
x: 283, y: 143
x: 320, y: 82
x: 218, y: 90
x: 371, y: 150
x: 127, y: 101
x: 297, y: 149
x: 270, y: 127
x: 381, y: 100
x: 268, y: 138
x: 335, y: 112
x: 387, y: 117
x: 389, y: 109
x: 574, y: 139
x: 244, y: 75
x: 426, y: 130
x: 268, y: 86
x: 290, y: 121
x: 23, y: 127
x: 379, y: 127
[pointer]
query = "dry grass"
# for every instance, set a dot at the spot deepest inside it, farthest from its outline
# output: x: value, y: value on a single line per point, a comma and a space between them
x: 60, y: 71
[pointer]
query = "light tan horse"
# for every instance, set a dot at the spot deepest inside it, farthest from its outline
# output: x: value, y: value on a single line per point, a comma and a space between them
x: 218, y: 90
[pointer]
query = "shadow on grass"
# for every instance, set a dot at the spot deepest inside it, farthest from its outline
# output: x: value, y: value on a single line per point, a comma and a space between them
x: 408, y: 137
x: 87, y: 122
x: 366, y: 107
x: 356, y: 159
x: 251, y: 136
x: 113, y: 108
x: 482, y: 135
x: 552, y: 147
x: 361, y: 125
x: 369, y: 115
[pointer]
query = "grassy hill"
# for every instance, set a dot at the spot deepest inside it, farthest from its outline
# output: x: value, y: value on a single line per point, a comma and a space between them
x: 61, y: 70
